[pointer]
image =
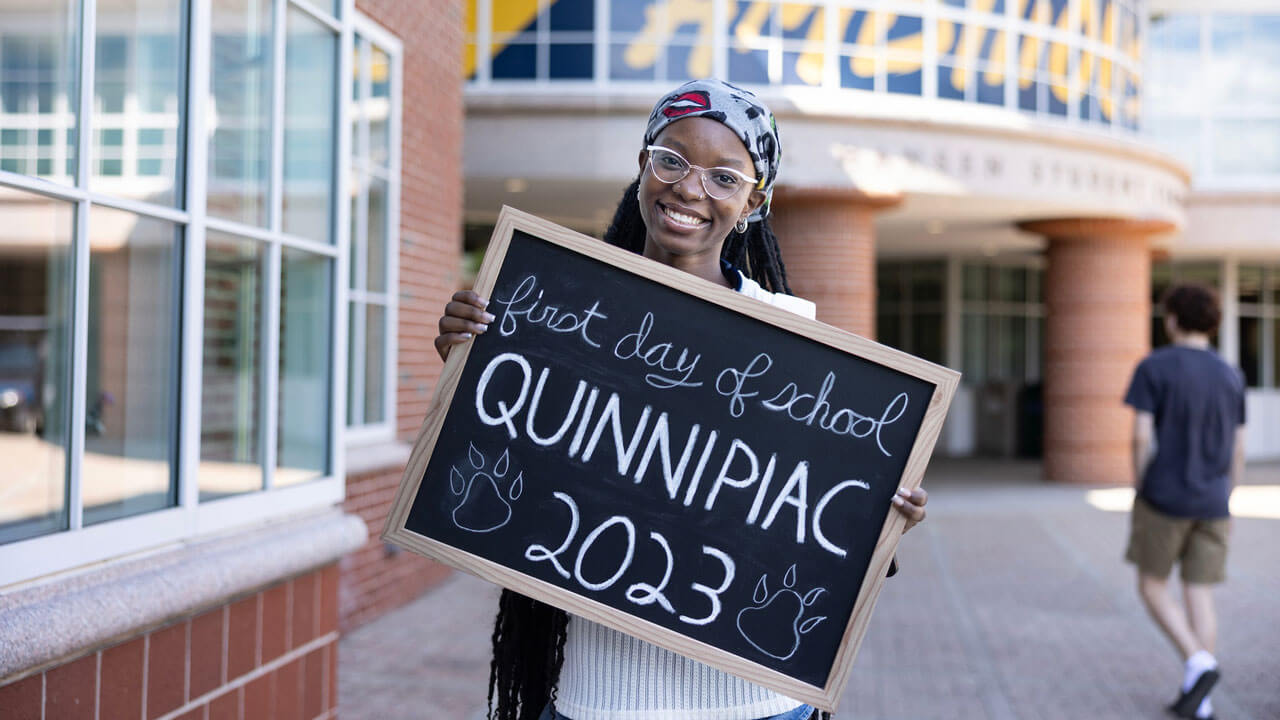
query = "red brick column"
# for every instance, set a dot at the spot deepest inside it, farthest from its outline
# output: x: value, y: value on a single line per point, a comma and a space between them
x: 1098, y: 300
x: 828, y: 240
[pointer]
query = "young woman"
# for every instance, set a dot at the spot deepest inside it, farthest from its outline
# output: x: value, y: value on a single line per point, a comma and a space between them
x: 700, y: 204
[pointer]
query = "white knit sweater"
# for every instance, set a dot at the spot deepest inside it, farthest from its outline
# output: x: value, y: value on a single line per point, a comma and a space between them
x: 608, y: 675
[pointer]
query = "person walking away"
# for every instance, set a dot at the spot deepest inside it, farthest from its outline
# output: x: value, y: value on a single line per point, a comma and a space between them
x: 1188, y: 453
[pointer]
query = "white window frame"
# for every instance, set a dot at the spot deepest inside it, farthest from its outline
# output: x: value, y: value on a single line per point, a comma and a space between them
x: 362, y: 433
x: 78, y: 546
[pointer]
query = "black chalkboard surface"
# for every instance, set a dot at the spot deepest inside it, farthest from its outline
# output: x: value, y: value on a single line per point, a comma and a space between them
x: 671, y: 458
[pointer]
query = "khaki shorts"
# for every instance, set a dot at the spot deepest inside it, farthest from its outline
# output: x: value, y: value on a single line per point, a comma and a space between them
x: 1157, y: 541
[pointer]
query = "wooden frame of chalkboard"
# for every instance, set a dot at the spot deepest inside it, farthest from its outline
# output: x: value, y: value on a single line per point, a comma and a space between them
x: 805, y: 562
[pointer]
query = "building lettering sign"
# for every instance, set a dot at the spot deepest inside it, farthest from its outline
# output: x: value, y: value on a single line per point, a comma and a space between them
x: 671, y: 458
x: 1056, y: 53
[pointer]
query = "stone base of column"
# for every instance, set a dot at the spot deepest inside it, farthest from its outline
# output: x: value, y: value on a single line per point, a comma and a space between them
x: 828, y: 241
x: 1097, y: 296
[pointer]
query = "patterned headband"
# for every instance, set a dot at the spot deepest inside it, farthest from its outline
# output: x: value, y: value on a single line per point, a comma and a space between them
x: 739, y: 110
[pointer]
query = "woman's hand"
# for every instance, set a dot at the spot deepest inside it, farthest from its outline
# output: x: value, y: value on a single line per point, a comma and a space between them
x: 911, y: 504
x: 464, y: 318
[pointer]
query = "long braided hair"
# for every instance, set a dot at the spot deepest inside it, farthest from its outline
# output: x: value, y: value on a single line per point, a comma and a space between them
x: 528, y: 635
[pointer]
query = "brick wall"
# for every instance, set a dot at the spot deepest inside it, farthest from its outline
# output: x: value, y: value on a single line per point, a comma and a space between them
x: 431, y: 187
x: 272, y: 654
x: 828, y: 242
x: 379, y: 577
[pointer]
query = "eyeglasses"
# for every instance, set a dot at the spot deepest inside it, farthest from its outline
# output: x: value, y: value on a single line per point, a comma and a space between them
x: 720, y: 183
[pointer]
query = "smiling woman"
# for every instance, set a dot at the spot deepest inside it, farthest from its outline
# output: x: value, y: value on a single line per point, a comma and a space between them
x: 700, y: 203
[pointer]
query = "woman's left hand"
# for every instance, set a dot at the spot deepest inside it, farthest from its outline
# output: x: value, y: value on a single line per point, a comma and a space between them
x: 911, y: 504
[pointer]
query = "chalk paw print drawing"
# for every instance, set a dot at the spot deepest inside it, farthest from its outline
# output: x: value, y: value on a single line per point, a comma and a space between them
x: 484, y: 504
x: 761, y: 623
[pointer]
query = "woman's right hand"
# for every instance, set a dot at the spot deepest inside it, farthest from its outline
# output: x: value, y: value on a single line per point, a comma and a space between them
x: 464, y: 318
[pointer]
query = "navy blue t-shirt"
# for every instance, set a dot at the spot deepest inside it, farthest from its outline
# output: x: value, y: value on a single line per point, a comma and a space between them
x: 1198, y: 403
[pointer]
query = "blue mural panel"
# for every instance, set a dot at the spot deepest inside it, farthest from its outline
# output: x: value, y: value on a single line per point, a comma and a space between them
x: 572, y: 62
x: 750, y: 67
x: 573, y: 15
x: 516, y: 62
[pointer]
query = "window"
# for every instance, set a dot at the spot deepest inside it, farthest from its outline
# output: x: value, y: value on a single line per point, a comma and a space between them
x: 1259, y: 296
x: 1062, y: 60
x: 39, y: 88
x: 1214, y: 95
x: 171, y: 310
x: 1002, y: 322
x: 909, y: 307
x: 374, y: 165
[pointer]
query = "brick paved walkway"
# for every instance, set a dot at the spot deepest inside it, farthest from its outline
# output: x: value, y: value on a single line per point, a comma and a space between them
x: 1012, y: 604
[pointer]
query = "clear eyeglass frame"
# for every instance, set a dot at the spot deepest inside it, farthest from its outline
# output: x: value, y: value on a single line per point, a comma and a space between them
x: 717, y: 188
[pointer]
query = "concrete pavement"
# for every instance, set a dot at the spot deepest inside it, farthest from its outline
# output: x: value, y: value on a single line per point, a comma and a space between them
x: 1013, y: 604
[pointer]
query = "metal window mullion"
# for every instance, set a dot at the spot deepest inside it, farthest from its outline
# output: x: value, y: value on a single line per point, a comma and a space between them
x: 80, y: 253
x: 275, y: 192
x: 600, y: 46
x: 831, y: 46
x: 953, y: 312
x: 1074, y: 48
x: 1011, y: 58
x: 138, y: 207
x: 392, y: 224
x: 929, y: 70
x: 341, y: 241
x: 360, y: 239
x: 191, y: 366
x: 361, y: 163
x: 319, y: 15
x: 43, y: 187
x: 542, y: 38
x: 484, y: 41
x: 272, y: 284
x: 271, y: 364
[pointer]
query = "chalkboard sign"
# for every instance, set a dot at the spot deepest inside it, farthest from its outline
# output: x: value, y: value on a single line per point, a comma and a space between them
x: 670, y: 458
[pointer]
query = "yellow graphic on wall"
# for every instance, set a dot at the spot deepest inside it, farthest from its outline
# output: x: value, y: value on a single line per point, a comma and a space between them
x: 507, y: 18
x: 794, y: 43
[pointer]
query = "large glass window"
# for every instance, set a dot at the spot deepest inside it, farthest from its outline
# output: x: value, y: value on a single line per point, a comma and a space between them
x: 35, y: 322
x: 240, y: 131
x: 1002, y: 321
x: 39, y: 71
x: 309, y: 132
x: 131, y: 381
x: 137, y: 113
x: 1259, y: 324
x: 1214, y: 93
x: 370, y: 345
x: 166, y: 357
x: 232, y: 367
x: 306, y: 322
x: 909, y: 307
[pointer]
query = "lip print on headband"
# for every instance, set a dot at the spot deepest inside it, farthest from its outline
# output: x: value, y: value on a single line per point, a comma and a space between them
x: 686, y: 103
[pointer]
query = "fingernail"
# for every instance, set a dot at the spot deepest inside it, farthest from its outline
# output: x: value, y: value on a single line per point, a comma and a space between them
x: 483, y: 328
x: 488, y: 318
x: 904, y: 492
x: 484, y: 302
x: 465, y: 335
x: 897, y: 500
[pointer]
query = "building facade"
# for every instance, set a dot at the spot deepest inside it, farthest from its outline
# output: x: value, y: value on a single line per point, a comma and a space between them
x: 227, y: 228
x: 1001, y: 186
x: 218, y: 286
